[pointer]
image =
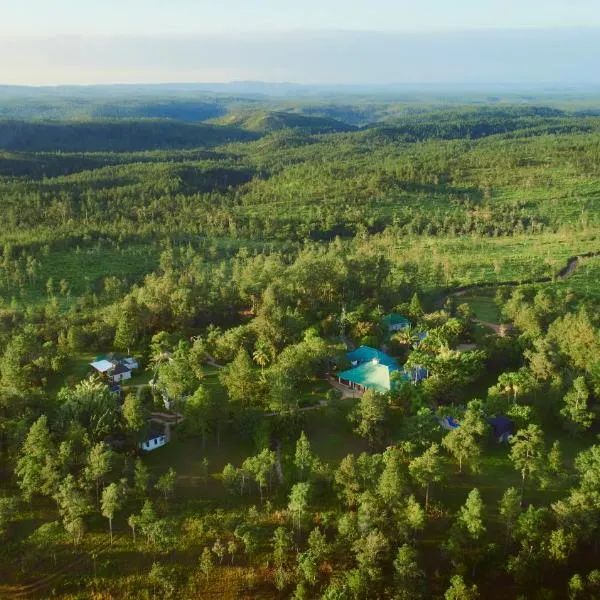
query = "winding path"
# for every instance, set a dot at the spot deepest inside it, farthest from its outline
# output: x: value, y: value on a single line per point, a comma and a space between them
x: 566, y: 272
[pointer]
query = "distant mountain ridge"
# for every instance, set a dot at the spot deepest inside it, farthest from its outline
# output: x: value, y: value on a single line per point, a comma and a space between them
x: 269, y: 121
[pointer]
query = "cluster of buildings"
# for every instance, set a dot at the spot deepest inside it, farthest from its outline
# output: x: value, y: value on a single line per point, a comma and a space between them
x: 114, y: 369
x: 373, y: 369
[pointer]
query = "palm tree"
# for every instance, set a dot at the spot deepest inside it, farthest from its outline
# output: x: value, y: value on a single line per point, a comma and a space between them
x: 261, y: 358
x: 407, y: 336
x: 158, y: 358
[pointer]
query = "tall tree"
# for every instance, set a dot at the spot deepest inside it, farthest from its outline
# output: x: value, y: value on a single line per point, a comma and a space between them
x: 304, y: 459
x: 576, y: 407
x: 98, y: 466
x: 459, y: 590
x: 92, y: 405
x: 241, y: 380
x: 129, y: 325
x: 528, y: 453
x: 464, y: 541
x: 346, y: 480
x: 32, y: 458
x: 72, y: 506
x: 298, y: 503
x: 261, y: 467
x: 392, y: 482
x: 370, y: 552
x: 134, y: 415
x: 111, y: 503
x: 199, y: 412
x: 166, y: 483
x: 464, y: 441
x: 415, y: 308
x: 282, y: 546
x: 510, y: 509
x: 370, y: 417
x: 176, y: 378
x: 427, y: 469
x: 141, y: 478
x: 408, y: 576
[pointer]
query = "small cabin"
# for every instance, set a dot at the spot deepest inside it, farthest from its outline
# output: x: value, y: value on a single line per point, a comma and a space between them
x: 156, y: 438
x: 120, y: 373
x: 115, y: 370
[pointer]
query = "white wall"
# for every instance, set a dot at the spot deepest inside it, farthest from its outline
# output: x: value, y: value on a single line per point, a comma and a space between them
x: 154, y: 443
x: 122, y: 376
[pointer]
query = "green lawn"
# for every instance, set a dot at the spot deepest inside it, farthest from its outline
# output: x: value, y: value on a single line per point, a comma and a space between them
x: 139, y: 377
x: 76, y: 369
x: 484, y: 307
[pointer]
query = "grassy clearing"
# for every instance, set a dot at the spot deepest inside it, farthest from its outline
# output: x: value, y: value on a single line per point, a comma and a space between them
x: 484, y: 307
x: 332, y: 438
x: 465, y: 260
x: 140, y: 377
x: 76, y: 369
x: 83, y: 269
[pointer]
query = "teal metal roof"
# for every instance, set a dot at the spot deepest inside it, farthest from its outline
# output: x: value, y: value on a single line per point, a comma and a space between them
x: 370, y: 375
x: 366, y: 354
x: 395, y: 319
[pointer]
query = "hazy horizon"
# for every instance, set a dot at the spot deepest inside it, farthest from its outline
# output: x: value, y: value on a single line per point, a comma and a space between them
x: 560, y: 56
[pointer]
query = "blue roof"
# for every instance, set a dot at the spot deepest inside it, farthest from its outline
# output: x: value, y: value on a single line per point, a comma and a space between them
x: 365, y: 354
x: 501, y: 424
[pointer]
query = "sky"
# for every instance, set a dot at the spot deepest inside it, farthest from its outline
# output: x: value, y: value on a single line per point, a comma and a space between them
x: 305, y: 41
x: 131, y: 17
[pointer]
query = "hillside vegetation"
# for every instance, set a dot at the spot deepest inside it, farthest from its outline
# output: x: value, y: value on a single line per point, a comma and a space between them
x: 238, y: 247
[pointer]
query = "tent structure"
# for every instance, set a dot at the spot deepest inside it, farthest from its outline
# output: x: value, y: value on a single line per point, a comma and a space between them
x: 502, y: 427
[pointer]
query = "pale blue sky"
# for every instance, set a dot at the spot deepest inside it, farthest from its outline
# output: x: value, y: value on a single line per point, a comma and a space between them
x: 55, y: 17
x: 305, y: 41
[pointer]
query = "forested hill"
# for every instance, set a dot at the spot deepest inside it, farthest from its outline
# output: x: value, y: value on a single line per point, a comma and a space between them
x: 131, y: 135
x: 266, y: 122
x: 114, y: 136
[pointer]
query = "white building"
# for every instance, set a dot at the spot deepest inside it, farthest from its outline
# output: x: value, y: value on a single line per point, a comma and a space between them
x: 102, y: 366
x: 131, y: 363
x: 156, y: 438
x: 120, y: 373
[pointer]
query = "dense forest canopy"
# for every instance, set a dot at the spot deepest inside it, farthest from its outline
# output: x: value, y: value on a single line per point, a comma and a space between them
x: 236, y: 246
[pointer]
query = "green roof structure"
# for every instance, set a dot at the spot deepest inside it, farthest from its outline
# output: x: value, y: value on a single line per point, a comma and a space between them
x: 366, y: 354
x: 370, y: 376
x: 395, y: 322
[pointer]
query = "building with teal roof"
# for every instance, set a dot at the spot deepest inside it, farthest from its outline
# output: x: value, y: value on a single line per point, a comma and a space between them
x: 372, y: 370
x: 368, y: 376
x: 367, y: 354
x: 395, y: 322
